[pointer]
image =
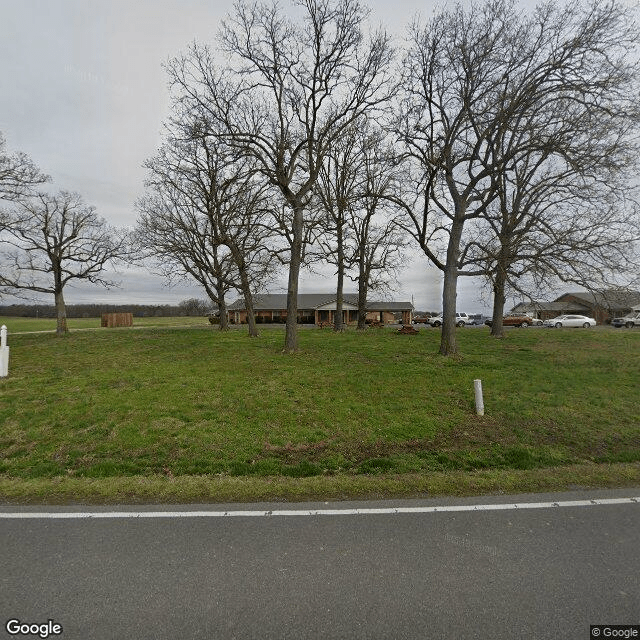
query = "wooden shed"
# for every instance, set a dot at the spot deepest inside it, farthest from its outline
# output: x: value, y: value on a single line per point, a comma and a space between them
x: 117, y: 320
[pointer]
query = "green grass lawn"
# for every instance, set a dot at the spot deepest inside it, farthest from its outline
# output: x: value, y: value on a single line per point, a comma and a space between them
x: 21, y: 325
x: 198, y: 403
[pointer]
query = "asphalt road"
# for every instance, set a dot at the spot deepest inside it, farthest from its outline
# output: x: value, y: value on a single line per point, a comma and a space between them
x: 491, y: 574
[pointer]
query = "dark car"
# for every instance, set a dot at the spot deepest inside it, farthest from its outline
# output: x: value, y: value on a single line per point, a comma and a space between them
x: 517, y: 321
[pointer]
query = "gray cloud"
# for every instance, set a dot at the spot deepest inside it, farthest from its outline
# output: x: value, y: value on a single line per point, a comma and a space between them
x: 83, y: 92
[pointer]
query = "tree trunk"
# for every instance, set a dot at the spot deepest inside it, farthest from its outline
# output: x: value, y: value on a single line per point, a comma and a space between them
x: 363, y: 280
x: 217, y: 297
x: 248, y: 303
x: 499, y: 299
x: 338, y: 325
x: 448, y: 345
x: 245, y: 285
x: 291, y: 333
x: 224, y: 315
x: 362, y: 312
x: 61, y: 313
x: 222, y: 309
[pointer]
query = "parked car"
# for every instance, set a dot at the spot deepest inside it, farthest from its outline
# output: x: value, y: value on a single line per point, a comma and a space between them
x: 517, y: 321
x: 421, y: 319
x: 461, y: 320
x: 571, y: 321
x: 631, y: 320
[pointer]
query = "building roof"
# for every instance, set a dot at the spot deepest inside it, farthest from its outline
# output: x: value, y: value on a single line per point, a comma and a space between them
x: 278, y: 301
x: 608, y: 299
x: 523, y: 307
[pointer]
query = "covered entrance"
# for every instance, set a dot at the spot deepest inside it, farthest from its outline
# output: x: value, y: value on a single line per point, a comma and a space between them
x: 327, y: 313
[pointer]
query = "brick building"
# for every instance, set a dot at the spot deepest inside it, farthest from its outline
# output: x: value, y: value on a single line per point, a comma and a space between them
x: 601, y: 305
x: 318, y: 308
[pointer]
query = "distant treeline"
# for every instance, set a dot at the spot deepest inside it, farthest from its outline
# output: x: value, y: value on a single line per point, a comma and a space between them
x: 93, y: 310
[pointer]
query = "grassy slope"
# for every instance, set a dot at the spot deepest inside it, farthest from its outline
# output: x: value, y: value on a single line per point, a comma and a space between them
x: 132, y: 410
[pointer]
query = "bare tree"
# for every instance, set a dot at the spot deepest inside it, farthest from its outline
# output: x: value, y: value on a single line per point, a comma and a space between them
x: 18, y: 179
x: 378, y: 238
x: 447, y: 117
x: 338, y: 189
x: 297, y: 86
x: 207, y: 216
x: 565, y: 193
x: 181, y: 242
x: 489, y: 89
x: 55, y: 239
x: 241, y: 217
x: 18, y: 175
x: 378, y: 252
x: 359, y: 235
x: 194, y: 306
x: 555, y: 226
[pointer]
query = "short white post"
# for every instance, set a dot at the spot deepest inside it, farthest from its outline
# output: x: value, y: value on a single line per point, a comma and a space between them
x: 477, y: 384
x: 4, y: 353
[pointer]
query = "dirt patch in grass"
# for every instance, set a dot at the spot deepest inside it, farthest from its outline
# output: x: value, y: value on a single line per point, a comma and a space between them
x: 480, y: 444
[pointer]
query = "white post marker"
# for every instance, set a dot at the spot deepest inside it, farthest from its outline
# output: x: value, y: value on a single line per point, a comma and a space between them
x: 4, y: 353
x: 477, y: 384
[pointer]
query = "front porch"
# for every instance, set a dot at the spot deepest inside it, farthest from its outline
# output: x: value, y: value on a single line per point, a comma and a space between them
x: 326, y: 314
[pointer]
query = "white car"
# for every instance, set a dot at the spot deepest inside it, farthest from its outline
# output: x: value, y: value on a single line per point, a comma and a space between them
x: 461, y: 320
x: 570, y: 321
x: 630, y: 320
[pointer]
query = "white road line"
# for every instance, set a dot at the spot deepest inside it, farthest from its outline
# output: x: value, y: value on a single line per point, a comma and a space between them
x: 52, y: 515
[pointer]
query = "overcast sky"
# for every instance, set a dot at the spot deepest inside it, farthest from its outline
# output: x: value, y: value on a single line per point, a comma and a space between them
x: 83, y: 93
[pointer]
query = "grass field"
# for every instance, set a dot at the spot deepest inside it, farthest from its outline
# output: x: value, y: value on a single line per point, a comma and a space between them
x: 22, y: 325
x: 180, y: 411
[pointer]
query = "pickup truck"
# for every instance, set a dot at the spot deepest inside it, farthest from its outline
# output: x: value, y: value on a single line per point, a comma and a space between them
x: 461, y: 320
x: 632, y: 320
